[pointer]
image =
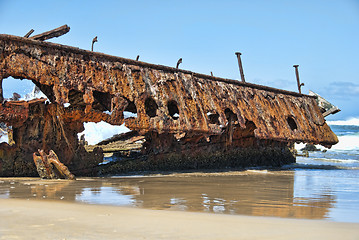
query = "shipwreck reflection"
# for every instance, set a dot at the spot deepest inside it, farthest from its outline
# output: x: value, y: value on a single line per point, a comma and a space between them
x: 250, y: 193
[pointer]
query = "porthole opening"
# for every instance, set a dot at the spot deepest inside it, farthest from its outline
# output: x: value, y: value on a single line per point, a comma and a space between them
x: 230, y: 115
x: 173, y: 109
x: 76, y: 99
x: 130, y: 111
x: 292, y: 124
x: 102, y: 101
x: 213, y: 118
x: 151, y: 107
x: 131, y: 107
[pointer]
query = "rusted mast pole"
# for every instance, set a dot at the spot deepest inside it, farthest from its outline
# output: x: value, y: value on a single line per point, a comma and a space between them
x: 298, y: 81
x: 240, y: 66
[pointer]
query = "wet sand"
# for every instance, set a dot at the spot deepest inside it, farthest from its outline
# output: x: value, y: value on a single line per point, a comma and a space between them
x: 278, y: 205
x: 326, y: 195
x: 33, y: 219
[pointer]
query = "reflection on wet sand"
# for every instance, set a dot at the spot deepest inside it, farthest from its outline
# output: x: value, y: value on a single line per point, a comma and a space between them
x: 258, y: 193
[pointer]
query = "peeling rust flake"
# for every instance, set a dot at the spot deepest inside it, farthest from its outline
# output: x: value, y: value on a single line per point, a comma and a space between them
x: 187, y: 120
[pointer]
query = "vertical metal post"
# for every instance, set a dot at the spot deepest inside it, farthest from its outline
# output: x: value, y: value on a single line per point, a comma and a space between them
x: 240, y: 66
x: 1, y: 92
x: 179, y: 62
x: 93, y: 41
x: 298, y: 81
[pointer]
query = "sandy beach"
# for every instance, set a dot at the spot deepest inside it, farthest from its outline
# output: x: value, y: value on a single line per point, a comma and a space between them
x: 33, y: 219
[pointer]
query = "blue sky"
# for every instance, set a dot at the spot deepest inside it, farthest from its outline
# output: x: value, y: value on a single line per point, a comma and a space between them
x: 322, y: 36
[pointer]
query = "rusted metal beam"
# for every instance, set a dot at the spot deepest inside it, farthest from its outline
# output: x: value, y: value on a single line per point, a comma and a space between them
x: 238, y: 54
x: 49, y: 166
x: 16, y: 112
x: 29, y: 33
x: 325, y: 106
x: 57, y: 32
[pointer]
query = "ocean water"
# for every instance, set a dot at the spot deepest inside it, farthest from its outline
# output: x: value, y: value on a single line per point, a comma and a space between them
x: 333, y: 172
x: 322, y: 186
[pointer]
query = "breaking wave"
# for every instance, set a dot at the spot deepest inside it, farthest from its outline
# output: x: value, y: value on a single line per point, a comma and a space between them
x: 351, y: 121
x: 348, y: 142
x: 337, y: 160
x: 347, y: 132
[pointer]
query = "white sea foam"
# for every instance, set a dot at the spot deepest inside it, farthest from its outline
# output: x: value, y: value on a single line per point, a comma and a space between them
x: 351, y: 121
x: 348, y: 142
x: 335, y: 160
x: 127, y: 114
x: 299, y: 146
x: 97, y: 132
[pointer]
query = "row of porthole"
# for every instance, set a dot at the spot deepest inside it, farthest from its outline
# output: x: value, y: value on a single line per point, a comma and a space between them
x: 151, y: 110
x: 213, y: 118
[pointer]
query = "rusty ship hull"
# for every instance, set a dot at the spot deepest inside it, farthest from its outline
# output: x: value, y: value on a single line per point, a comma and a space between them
x: 186, y: 120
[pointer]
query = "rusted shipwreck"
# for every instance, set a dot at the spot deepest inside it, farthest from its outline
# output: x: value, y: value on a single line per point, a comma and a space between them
x: 186, y: 120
